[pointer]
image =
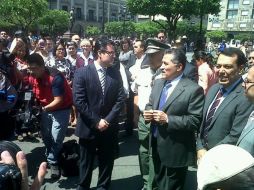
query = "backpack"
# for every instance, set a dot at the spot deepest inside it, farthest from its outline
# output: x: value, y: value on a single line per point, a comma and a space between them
x: 69, y: 158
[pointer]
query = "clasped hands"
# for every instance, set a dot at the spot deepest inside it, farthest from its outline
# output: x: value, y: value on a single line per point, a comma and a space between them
x: 102, y: 125
x: 155, y: 115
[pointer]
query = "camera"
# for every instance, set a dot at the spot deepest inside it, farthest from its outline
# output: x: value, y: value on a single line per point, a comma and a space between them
x: 10, y: 175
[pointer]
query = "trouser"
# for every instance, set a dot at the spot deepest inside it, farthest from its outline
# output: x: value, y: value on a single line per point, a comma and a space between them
x: 104, y: 146
x: 53, y: 130
x: 167, y: 178
x: 145, y: 155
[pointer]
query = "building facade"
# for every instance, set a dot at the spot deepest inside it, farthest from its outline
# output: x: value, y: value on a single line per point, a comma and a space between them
x: 87, y: 12
x: 235, y: 16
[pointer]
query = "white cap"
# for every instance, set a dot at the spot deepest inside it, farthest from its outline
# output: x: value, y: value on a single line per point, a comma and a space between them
x: 221, y: 163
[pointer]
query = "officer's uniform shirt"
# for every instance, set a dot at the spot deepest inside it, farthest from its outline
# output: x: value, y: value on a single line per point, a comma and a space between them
x: 142, y: 86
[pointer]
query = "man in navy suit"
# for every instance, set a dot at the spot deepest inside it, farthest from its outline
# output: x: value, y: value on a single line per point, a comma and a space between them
x: 99, y: 96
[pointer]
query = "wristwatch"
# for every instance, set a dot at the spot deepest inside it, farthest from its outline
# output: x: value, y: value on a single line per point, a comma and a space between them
x: 43, y: 109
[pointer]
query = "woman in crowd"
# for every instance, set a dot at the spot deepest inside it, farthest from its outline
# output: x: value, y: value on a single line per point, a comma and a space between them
x: 87, y: 54
x: 206, y: 73
x: 125, y: 52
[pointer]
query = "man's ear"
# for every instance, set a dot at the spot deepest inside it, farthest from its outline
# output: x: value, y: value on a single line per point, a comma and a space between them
x: 179, y: 67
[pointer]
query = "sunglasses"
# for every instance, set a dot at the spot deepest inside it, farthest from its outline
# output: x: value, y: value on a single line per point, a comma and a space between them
x: 251, y: 58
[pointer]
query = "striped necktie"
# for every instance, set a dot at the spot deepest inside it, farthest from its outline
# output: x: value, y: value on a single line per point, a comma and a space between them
x: 211, y: 113
x: 103, y: 78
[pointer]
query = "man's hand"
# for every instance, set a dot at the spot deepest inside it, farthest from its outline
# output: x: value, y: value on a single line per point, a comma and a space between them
x: 148, y: 115
x: 22, y: 165
x: 200, y: 154
x: 160, y: 117
x: 102, y: 125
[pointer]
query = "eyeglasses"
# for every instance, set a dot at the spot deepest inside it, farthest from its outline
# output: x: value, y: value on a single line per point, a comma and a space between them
x: 246, y: 81
x: 60, y: 49
x: 3, y: 33
x: 251, y: 58
x: 84, y: 46
x: 110, y: 53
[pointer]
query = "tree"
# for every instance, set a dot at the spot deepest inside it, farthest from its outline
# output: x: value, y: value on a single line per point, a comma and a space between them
x: 244, y: 37
x: 216, y: 35
x: 92, y: 31
x: 119, y: 29
x: 54, y: 21
x: 173, y: 10
x: 146, y: 29
x: 22, y: 13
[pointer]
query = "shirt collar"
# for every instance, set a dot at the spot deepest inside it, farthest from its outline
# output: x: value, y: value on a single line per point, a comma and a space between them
x: 176, y: 80
x: 98, y: 66
x: 229, y: 89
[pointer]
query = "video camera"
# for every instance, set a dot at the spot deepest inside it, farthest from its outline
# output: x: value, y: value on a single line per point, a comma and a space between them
x: 10, y: 175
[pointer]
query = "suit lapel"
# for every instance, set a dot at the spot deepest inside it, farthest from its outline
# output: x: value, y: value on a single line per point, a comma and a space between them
x: 176, y: 93
x: 247, y: 129
x: 97, y: 80
x: 226, y: 102
x: 108, y: 81
x: 158, y: 89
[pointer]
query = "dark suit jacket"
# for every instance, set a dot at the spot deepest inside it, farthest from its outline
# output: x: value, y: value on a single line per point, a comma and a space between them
x: 229, y: 119
x: 176, y: 142
x: 90, y: 102
x: 191, y: 71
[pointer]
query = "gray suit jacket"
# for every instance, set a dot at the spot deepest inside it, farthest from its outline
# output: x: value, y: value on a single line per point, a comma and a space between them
x: 246, y: 140
x: 176, y: 142
x: 229, y: 119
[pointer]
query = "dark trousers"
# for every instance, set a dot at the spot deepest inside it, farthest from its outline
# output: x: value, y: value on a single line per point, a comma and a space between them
x: 129, y: 114
x: 7, y: 125
x: 105, y: 148
x: 167, y: 178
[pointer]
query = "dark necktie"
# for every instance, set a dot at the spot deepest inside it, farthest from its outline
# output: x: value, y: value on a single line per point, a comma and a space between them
x: 163, y: 99
x: 103, y: 79
x: 164, y: 94
x: 211, y: 113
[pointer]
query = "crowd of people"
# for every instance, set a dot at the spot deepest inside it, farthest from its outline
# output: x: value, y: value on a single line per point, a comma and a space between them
x: 182, y: 110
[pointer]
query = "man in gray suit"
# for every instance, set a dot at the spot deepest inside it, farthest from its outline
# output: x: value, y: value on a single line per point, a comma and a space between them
x: 175, y: 113
x: 246, y: 140
x: 226, y: 109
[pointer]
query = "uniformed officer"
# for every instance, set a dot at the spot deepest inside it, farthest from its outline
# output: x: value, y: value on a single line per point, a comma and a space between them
x: 141, y: 87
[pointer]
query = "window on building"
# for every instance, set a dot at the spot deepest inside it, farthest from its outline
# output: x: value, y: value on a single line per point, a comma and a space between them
x: 231, y: 14
x: 230, y: 25
x: 78, y: 13
x: 91, y: 15
x: 242, y: 25
x: 246, y: 2
x: 65, y: 8
x: 233, y: 4
x: 245, y: 13
x: 216, y: 25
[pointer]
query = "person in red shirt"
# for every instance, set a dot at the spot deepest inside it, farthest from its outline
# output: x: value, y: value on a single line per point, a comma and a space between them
x: 52, y: 91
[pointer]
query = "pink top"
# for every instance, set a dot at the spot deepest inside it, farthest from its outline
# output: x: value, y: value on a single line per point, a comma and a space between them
x: 206, y: 77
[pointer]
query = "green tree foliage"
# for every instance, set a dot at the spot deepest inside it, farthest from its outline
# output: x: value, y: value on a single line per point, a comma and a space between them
x: 173, y: 10
x: 92, y: 31
x: 216, y: 35
x: 54, y: 21
x: 147, y: 29
x: 244, y: 37
x: 22, y: 13
x: 118, y: 29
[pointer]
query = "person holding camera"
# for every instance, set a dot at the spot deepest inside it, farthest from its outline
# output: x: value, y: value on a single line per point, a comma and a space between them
x: 15, y: 176
x: 52, y: 91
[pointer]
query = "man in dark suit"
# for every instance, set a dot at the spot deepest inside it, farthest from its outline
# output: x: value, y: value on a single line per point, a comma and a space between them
x: 246, y: 140
x: 226, y: 109
x: 99, y: 97
x: 175, y: 112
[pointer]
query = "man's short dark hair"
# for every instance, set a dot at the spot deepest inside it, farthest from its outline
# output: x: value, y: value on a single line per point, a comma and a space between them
x: 101, y: 45
x: 142, y: 43
x: 35, y: 59
x: 179, y: 56
x: 231, y: 52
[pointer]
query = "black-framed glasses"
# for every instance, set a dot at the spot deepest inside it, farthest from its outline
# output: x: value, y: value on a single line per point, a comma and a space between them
x: 246, y: 81
x: 251, y: 58
x: 110, y: 53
